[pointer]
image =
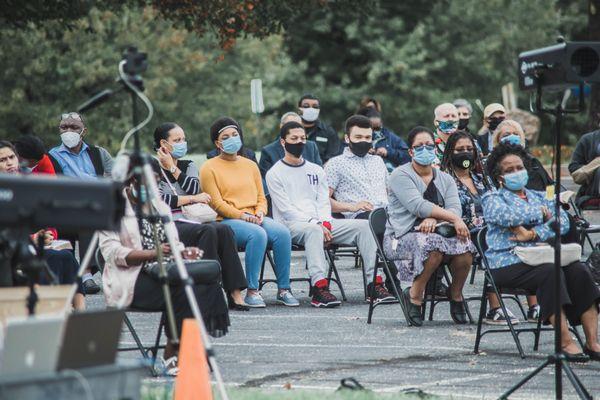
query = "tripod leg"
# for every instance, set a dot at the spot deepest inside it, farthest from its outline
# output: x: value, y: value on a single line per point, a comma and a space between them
x: 579, y: 388
x: 523, y: 381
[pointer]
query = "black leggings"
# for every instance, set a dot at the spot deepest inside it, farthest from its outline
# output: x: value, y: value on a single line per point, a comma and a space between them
x: 577, y: 289
x: 218, y: 243
x: 64, y: 266
x: 148, y: 295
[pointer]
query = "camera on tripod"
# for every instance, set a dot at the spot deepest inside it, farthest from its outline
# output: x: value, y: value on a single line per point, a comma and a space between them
x: 135, y: 64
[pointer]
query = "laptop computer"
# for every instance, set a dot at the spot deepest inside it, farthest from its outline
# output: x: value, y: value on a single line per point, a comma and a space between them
x: 90, y: 339
x: 31, y: 345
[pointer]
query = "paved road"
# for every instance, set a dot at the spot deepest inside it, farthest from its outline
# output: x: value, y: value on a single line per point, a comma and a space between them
x: 310, y: 348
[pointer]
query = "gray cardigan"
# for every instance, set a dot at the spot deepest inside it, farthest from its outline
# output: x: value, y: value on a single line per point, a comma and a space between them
x: 406, y: 202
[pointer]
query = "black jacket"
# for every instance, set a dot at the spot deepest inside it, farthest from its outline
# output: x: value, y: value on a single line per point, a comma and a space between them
x: 484, y: 142
x: 326, y: 138
x: 538, y: 176
x: 586, y: 150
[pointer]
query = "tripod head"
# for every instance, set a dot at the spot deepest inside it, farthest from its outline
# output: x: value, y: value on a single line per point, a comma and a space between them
x: 135, y: 64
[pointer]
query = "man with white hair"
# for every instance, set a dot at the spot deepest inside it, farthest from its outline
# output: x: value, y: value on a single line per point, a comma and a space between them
x: 274, y: 152
x: 446, y: 123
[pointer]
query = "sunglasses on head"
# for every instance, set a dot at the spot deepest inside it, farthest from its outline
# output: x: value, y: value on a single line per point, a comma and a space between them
x: 71, y: 115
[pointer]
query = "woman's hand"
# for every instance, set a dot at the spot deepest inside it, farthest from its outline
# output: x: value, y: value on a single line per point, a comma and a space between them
x: 191, y: 253
x: 201, y: 198
x: 165, y: 158
x: 427, y: 225
x: 253, y: 219
x: 546, y: 213
x: 462, y: 231
x: 260, y: 217
x: 521, y: 234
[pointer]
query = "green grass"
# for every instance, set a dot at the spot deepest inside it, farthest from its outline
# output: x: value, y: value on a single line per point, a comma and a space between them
x: 155, y: 391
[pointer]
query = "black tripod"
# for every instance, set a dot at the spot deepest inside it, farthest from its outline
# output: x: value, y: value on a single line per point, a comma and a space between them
x: 558, y: 358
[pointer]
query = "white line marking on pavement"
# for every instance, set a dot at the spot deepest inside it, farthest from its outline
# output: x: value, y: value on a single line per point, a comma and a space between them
x: 342, y: 346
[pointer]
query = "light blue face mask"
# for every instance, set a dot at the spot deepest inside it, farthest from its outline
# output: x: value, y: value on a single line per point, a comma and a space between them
x: 516, y: 180
x: 514, y: 140
x: 143, y: 195
x: 232, y: 144
x: 179, y: 149
x: 424, y: 155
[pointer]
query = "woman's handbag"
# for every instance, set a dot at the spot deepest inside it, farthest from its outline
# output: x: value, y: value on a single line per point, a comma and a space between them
x: 198, y: 212
x: 544, y: 254
x: 200, y: 271
x: 593, y: 263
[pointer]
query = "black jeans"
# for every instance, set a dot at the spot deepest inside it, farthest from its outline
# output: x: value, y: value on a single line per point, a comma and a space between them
x: 218, y: 243
x: 64, y: 266
x: 148, y: 295
x: 577, y: 289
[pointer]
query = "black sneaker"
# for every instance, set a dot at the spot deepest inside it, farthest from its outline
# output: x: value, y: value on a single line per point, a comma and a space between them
x: 322, y: 298
x: 379, y: 294
x: 91, y: 287
x: 533, y: 314
x: 496, y: 317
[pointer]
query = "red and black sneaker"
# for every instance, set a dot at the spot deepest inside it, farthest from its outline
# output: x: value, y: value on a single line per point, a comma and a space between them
x: 322, y: 297
x: 380, y: 294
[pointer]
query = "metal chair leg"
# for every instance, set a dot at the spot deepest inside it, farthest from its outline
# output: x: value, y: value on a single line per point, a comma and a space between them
x: 482, y: 312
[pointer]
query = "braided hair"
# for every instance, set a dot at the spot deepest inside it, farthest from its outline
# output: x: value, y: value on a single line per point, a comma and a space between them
x: 500, y: 152
x: 449, y: 149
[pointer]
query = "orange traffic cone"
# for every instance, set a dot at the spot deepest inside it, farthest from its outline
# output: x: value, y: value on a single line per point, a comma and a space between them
x: 193, y: 379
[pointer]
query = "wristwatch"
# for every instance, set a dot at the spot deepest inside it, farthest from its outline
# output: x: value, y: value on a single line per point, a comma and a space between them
x: 173, y: 169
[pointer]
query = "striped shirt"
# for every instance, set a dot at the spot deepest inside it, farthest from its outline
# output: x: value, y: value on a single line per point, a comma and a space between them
x: 185, y: 185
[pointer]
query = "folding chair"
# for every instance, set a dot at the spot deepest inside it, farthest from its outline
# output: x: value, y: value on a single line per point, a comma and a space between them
x: 377, y: 221
x: 143, y: 349
x: 489, y: 286
x: 332, y: 274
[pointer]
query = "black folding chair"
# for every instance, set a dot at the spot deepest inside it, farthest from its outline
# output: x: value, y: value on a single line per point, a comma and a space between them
x: 377, y: 220
x: 143, y: 349
x: 433, y: 299
x: 332, y: 274
x: 489, y: 286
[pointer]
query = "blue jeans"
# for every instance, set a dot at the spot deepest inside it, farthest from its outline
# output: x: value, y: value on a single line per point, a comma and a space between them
x: 255, y: 238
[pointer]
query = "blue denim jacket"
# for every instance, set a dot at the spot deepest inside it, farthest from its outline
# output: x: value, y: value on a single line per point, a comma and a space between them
x: 503, y: 209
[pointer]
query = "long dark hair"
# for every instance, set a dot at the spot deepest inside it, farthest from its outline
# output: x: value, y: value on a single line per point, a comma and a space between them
x: 451, y: 145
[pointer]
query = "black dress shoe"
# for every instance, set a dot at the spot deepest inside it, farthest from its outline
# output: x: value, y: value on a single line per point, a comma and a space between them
x: 458, y: 312
x: 578, y: 357
x: 415, y: 316
x: 594, y: 355
x: 91, y: 287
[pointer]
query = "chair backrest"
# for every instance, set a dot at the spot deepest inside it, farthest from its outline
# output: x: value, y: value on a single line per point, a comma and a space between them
x: 377, y: 220
x: 481, y: 244
x: 99, y: 260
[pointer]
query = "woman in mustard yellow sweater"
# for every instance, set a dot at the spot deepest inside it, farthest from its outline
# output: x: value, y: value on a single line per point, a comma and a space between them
x: 235, y: 187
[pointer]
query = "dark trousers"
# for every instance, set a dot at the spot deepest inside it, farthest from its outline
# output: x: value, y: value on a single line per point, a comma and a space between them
x: 218, y: 243
x: 577, y: 289
x: 63, y: 265
x: 148, y: 295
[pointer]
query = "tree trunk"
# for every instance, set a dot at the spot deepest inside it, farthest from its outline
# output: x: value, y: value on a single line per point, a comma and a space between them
x: 594, y: 35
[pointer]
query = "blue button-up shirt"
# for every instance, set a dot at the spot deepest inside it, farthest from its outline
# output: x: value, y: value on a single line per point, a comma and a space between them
x: 75, y: 165
x: 503, y: 209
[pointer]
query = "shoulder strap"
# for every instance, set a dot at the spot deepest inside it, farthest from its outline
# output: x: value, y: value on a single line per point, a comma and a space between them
x: 96, y: 158
x: 57, y: 168
x: 162, y: 171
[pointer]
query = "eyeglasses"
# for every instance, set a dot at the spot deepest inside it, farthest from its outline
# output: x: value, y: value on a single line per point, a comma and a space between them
x: 71, y: 115
x: 424, y: 146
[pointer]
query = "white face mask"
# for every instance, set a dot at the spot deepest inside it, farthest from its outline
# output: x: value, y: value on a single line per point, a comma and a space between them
x: 310, y: 114
x: 70, y: 139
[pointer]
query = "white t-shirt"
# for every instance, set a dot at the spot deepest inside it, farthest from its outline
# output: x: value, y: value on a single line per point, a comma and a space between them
x: 298, y: 193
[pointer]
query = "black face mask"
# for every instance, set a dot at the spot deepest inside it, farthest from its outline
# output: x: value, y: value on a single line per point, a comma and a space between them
x: 463, y: 123
x: 463, y: 160
x: 494, y: 122
x: 360, y: 149
x: 294, y: 149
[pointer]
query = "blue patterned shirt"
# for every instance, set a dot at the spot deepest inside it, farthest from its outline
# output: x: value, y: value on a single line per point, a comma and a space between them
x: 503, y: 209
x: 472, y: 214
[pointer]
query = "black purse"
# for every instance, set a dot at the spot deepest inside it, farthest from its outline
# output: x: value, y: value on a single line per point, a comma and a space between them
x: 200, y: 271
x: 593, y: 263
x: 445, y: 229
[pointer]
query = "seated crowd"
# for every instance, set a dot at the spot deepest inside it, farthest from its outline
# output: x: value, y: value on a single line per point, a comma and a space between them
x: 310, y: 191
